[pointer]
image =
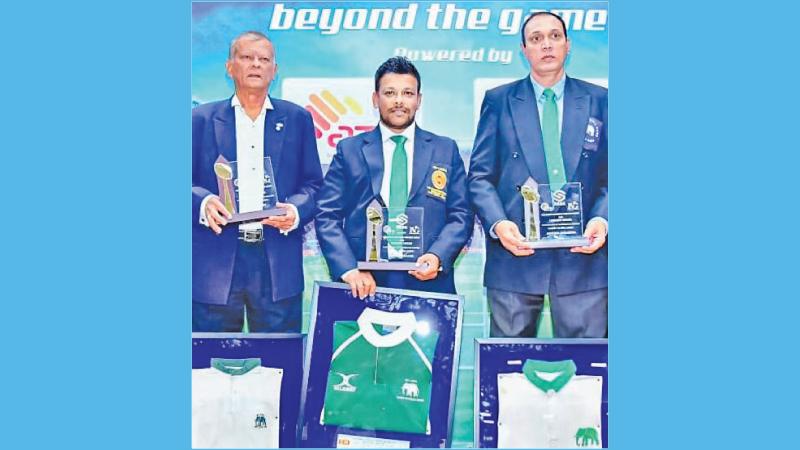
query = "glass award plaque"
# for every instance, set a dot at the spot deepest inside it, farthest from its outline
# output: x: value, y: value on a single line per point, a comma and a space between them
x: 394, y: 238
x: 251, y: 207
x: 553, y: 217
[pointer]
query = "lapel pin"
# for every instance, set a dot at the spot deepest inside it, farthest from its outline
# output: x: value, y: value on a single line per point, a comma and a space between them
x: 279, y: 126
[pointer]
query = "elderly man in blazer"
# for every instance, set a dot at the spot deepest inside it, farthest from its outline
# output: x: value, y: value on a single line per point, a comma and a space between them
x: 253, y: 268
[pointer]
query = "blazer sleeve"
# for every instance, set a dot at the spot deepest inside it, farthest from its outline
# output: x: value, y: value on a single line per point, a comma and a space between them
x: 460, y: 219
x: 600, y: 206
x: 484, y: 169
x: 198, y: 192
x: 311, y: 173
x: 329, y: 222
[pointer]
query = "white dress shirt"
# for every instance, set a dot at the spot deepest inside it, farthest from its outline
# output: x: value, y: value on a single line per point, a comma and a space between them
x: 250, y: 159
x: 250, y: 164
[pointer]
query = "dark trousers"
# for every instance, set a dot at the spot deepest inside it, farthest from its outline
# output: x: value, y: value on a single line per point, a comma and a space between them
x: 251, y: 291
x: 578, y: 315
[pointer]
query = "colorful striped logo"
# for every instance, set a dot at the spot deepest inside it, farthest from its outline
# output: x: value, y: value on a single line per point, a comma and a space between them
x: 327, y: 110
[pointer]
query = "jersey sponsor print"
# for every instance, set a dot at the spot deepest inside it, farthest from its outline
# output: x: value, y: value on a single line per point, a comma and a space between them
x: 380, y: 373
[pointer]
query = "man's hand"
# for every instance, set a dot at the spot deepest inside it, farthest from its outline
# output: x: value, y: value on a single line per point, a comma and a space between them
x: 596, y: 232
x: 282, y: 223
x: 511, y: 238
x: 361, y: 284
x: 216, y: 214
x: 431, y: 272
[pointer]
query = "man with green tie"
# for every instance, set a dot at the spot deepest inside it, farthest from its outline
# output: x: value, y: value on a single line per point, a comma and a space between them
x: 401, y: 166
x: 553, y: 129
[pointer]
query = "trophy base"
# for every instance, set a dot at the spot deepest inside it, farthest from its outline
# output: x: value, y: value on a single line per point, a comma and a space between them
x: 559, y: 243
x: 389, y: 265
x: 257, y: 215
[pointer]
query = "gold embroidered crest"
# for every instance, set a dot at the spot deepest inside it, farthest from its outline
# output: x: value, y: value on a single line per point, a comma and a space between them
x: 439, y: 179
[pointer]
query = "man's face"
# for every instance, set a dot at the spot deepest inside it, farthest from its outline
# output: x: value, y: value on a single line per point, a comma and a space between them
x: 397, y: 100
x: 545, y: 47
x: 253, y: 65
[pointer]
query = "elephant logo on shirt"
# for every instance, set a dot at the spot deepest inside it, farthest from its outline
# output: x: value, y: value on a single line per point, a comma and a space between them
x: 586, y: 437
x: 261, y: 421
x: 410, y: 389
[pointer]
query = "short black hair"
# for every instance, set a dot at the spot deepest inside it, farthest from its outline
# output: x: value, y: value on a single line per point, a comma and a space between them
x: 541, y: 13
x: 400, y: 65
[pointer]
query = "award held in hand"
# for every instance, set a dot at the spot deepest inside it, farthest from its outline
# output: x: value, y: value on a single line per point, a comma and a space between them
x: 393, y: 237
x: 553, y: 217
x: 251, y: 207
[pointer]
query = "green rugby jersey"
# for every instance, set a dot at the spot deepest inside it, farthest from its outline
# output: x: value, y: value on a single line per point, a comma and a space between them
x: 380, y: 381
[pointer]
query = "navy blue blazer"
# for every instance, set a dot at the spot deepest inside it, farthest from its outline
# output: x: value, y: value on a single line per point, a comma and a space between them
x: 508, y: 149
x: 292, y: 148
x: 354, y: 180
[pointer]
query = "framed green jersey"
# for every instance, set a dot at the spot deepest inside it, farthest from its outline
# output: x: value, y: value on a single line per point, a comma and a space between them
x: 380, y: 369
x: 380, y: 373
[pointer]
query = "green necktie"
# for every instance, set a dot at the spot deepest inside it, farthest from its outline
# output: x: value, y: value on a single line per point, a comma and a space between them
x: 552, y: 141
x: 398, y: 183
x: 398, y: 187
x: 544, y: 328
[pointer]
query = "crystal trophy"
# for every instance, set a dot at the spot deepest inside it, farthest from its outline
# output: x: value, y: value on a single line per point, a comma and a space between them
x: 553, y: 215
x: 253, y: 207
x: 393, y: 238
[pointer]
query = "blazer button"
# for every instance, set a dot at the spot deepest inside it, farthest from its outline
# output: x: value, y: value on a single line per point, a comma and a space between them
x: 515, y: 155
x: 518, y: 187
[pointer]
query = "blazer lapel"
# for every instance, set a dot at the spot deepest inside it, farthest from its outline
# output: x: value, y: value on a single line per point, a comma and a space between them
x: 423, y: 154
x: 525, y: 116
x: 373, y: 154
x: 274, y: 131
x: 576, y: 116
x: 225, y: 131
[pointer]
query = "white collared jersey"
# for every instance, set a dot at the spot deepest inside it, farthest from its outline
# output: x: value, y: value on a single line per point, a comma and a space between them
x: 529, y: 417
x: 380, y: 382
x: 236, y: 411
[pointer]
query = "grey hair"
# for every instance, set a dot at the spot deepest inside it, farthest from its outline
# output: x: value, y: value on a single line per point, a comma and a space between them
x: 253, y: 36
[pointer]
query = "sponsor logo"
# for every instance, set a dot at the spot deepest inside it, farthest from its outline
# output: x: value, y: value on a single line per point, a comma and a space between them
x: 401, y: 220
x: 261, y: 421
x: 559, y: 199
x: 345, y: 385
x: 336, y: 117
x: 585, y: 437
x: 339, y: 108
x: 410, y: 391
